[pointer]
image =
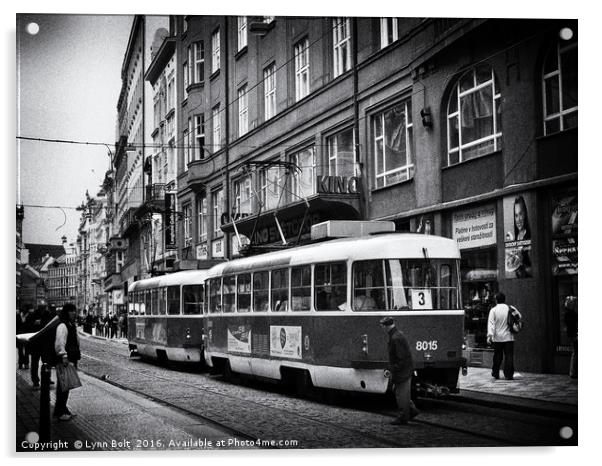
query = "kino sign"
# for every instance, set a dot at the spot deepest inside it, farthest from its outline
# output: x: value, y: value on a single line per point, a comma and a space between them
x: 338, y: 184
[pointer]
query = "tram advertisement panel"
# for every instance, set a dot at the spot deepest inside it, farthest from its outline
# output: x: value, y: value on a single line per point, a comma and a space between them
x: 285, y: 342
x: 239, y: 338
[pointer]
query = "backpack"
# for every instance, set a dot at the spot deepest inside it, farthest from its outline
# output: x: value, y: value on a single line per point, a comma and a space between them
x: 42, y: 342
x: 515, y: 321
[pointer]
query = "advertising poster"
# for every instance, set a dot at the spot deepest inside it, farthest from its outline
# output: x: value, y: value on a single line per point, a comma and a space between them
x: 285, y: 342
x: 564, y: 233
x: 239, y: 338
x: 517, y: 235
x: 475, y: 227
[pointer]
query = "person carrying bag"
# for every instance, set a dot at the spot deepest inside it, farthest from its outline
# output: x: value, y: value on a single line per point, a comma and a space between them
x: 66, y: 346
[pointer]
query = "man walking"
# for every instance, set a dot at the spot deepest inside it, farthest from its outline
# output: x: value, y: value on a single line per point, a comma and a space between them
x: 402, y: 368
x: 502, y: 339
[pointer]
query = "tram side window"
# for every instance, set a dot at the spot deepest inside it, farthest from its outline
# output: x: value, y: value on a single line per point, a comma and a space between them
x: 155, y: 302
x: 229, y: 294
x: 244, y: 292
x: 147, y: 302
x: 301, y: 288
x: 162, y: 292
x: 330, y: 286
x: 368, y: 286
x: 280, y: 290
x: 215, y: 295
x: 173, y: 300
x: 193, y: 299
x: 261, y: 291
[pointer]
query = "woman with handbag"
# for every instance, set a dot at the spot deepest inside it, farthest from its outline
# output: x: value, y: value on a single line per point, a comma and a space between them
x: 66, y: 346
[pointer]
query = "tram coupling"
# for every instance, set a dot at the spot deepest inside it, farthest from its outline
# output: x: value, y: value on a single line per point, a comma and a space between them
x: 430, y: 390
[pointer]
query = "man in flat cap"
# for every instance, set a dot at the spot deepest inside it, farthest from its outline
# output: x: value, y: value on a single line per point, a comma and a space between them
x: 402, y: 368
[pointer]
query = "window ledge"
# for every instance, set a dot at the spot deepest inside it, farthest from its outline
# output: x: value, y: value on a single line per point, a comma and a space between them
x: 241, y: 52
x: 214, y: 75
x: 384, y: 188
x: 195, y: 86
x: 171, y: 113
x: 184, y: 102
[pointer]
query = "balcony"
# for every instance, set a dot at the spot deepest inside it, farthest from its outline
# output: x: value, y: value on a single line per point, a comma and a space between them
x: 128, y: 221
x: 155, y: 195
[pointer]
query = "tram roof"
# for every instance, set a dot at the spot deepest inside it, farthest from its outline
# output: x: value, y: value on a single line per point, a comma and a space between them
x: 184, y: 277
x: 382, y: 246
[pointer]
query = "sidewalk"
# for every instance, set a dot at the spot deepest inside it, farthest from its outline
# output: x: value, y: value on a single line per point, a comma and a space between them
x: 109, y: 418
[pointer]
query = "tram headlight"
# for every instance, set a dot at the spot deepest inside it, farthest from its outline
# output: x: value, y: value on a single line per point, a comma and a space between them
x: 365, y: 344
x: 188, y: 334
x: 387, y: 374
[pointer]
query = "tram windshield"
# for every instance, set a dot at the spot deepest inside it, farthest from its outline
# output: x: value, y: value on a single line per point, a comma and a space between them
x: 193, y: 299
x: 406, y: 284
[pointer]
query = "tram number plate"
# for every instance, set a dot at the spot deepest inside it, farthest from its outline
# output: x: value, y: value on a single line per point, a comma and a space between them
x: 421, y: 299
x: 426, y: 345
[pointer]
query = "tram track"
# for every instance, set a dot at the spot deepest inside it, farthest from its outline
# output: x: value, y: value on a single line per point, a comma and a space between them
x: 384, y: 438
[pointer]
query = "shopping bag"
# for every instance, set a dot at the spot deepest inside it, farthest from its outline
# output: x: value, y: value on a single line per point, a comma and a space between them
x: 67, y: 377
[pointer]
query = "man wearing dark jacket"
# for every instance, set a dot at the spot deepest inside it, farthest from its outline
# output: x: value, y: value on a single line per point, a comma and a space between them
x: 402, y: 369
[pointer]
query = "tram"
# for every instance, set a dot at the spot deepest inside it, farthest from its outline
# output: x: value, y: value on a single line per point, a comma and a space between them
x: 165, y: 315
x: 310, y: 315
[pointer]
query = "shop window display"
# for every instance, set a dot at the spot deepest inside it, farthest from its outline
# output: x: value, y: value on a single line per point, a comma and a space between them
x: 478, y: 269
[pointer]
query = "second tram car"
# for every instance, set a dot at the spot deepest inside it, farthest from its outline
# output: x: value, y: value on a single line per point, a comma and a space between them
x: 165, y: 316
x: 310, y: 314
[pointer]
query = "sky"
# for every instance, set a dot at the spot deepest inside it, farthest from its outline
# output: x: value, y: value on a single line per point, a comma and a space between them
x: 68, y: 83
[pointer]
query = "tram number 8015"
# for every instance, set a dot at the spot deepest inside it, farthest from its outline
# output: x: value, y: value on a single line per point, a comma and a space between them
x: 426, y: 345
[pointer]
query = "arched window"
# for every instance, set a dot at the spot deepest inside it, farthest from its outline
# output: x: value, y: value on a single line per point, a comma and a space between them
x: 560, y: 87
x: 474, y: 124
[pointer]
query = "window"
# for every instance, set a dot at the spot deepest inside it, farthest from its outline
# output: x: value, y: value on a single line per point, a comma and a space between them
x: 393, y: 284
x: 279, y: 290
x: 269, y: 85
x: 186, y: 75
x: 199, y: 137
x: 173, y: 300
x: 201, y: 209
x: 242, y: 32
x: 215, y: 295
x: 301, y: 69
x: 341, y: 157
x: 560, y: 87
x: 217, y: 127
x: 261, y: 291
x: 269, y: 187
x: 153, y: 301
x: 243, y: 286
x: 243, y: 111
x: 388, y: 31
x: 198, y: 75
x: 393, y: 144
x: 162, y: 294
x: 474, y: 124
x: 229, y: 294
x: 215, y: 52
x: 341, y: 45
x: 218, y: 208
x: 187, y: 209
x: 186, y: 141
x: 301, y: 288
x: 330, y: 287
x: 171, y: 90
x: 193, y: 299
x: 242, y: 196
x: 304, y: 181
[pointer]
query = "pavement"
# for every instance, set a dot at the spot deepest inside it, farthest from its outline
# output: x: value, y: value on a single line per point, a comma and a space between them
x: 108, y: 412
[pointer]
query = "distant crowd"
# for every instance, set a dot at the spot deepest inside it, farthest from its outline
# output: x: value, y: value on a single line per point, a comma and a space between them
x: 108, y: 326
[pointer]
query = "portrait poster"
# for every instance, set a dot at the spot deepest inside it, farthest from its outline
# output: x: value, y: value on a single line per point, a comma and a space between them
x: 564, y: 233
x: 518, y: 258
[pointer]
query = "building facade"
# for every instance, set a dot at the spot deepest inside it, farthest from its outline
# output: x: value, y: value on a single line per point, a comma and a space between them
x: 465, y: 128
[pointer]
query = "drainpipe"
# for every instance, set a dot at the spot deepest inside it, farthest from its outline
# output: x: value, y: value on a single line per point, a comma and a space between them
x: 227, y: 131
x: 356, y: 119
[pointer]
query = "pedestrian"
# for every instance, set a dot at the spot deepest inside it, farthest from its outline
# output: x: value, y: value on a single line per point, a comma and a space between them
x: 66, y: 346
x: 114, y: 322
x: 401, y: 367
x: 570, y: 321
x: 501, y: 338
x: 39, y: 319
x: 22, y: 327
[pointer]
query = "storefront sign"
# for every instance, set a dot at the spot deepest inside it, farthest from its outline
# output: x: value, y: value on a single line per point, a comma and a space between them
x: 169, y: 221
x: 474, y: 228
x: 290, y: 229
x: 285, y: 342
x: 517, y: 237
x: 118, y: 297
x: 217, y: 248
x: 239, y: 339
x: 201, y: 251
x: 338, y: 184
x: 564, y: 233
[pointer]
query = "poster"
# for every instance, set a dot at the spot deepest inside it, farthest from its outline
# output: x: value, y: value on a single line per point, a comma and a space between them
x: 564, y: 233
x: 239, y: 338
x: 285, y: 342
x: 517, y: 236
x: 475, y: 227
